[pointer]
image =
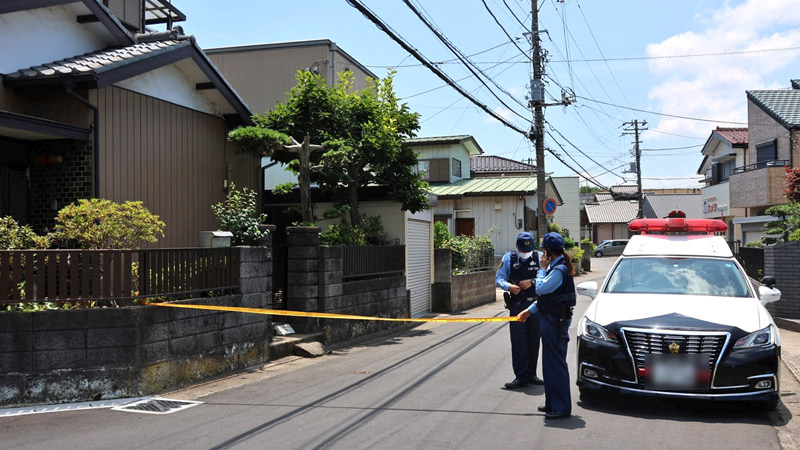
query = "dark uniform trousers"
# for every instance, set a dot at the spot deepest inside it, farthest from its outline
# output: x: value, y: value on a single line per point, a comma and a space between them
x: 555, y: 338
x: 524, y: 342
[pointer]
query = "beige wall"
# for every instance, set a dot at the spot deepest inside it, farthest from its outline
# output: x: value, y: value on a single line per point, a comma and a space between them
x: 173, y: 159
x: 263, y: 75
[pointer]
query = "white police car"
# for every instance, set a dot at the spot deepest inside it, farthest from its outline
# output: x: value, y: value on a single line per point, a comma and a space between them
x: 678, y: 317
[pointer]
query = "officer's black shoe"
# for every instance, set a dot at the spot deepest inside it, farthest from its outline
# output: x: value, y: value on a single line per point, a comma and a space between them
x: 544, y: 409
x: 517, y: 383
x: 557, y: 415
x: 537, y: 381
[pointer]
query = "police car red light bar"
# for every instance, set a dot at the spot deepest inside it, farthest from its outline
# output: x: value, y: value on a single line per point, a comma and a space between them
x: 677, y: 224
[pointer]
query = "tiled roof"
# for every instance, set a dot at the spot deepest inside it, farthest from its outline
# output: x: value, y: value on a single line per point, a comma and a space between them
x: 478, y: 186
x: 613, y: 211
x: 736, y: 136
x: 498, y: 164
x: 99, y: 61
x: 783, y: 105
x: 624, y: 190
x: 659, y: 205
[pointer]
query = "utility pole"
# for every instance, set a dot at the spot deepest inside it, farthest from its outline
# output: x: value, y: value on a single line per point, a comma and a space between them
x: 537, y: 133
x: 638, y: 153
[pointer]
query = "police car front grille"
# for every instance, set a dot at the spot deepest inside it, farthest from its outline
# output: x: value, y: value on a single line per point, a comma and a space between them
x: 641, y: 343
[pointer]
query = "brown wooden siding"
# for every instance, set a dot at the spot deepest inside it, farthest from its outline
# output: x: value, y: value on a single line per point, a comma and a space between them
x: 50, y: 103
x: 174, y: 159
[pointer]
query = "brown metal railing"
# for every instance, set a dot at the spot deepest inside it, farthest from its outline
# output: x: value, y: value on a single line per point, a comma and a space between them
x: 373, y: 261
x: 91, y: 275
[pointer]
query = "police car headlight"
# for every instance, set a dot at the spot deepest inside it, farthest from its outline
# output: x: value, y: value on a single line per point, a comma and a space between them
x: 595, y: 332
x: 760, y: 338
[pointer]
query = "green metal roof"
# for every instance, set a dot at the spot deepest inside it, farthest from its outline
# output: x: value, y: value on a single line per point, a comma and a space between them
x: 486, y: 186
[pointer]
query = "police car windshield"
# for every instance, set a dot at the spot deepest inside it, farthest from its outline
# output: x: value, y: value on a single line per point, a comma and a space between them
x: 663, y: 275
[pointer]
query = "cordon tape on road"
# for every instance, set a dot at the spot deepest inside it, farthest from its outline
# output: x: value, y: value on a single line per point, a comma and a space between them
x: 278, y: 312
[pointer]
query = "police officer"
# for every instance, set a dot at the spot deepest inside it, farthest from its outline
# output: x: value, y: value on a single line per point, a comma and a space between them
x: 515, y: 275
x: 556, y: 291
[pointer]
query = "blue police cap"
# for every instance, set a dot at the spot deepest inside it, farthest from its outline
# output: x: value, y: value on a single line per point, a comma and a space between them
x: 553, y: 241
x: 525, y: 242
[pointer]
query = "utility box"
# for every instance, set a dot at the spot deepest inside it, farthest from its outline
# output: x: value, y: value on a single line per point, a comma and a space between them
x: 215, y: 238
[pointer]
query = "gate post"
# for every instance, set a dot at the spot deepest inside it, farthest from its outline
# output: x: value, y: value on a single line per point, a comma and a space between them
x: 302, y: 278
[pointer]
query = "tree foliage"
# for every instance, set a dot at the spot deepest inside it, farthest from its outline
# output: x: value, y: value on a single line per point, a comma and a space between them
x: 787, y: 228
x: 102, y: 224
x: 237, y: 215
x: 14, y: 236
x: 792, y: 190
x: 363, y: 134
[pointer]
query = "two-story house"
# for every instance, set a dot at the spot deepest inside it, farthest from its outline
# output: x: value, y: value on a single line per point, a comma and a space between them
x: 773, y: 118
x: 724, y: 151
x: 93, y: 104
x: 473, y: 206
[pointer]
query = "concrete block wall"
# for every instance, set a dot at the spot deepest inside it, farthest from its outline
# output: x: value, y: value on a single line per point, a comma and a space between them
x: 452, y: 293
x: 316, y: 283
x: 780, y: 261
x: 80, y: 355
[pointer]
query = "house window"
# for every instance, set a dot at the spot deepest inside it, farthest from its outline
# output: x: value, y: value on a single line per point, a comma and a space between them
x: 766, y: 152
x: 725, y: 169
x: 457, y: 168
x: 423, y: 167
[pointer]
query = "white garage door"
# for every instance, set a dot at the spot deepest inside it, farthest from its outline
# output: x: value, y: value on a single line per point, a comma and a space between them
x: 419, y: 266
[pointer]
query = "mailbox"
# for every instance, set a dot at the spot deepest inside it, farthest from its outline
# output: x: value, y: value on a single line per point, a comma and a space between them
x: 215, y: 238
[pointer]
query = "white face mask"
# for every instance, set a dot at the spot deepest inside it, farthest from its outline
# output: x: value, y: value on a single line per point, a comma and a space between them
x: 526, y: 255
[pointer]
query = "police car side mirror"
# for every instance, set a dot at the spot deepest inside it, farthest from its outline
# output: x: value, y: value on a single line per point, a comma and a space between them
x: 768, y: 294
x: 588, y: 288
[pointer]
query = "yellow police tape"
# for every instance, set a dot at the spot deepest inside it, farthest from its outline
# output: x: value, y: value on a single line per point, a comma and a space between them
x: 277, y: 312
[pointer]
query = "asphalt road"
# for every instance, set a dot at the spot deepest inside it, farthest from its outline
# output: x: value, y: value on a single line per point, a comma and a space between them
x: 434, y: 386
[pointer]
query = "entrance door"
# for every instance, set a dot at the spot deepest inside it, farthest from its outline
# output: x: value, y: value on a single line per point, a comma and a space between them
x: 465, y: 227
x: 14, y: 194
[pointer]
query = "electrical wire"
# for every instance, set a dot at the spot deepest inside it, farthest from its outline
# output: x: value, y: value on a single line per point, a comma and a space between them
x: 485, y: 5
x: 660, y: 114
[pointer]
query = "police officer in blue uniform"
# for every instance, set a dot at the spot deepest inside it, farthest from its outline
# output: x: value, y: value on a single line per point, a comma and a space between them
x: 515, y: 275
x: 557, y: 296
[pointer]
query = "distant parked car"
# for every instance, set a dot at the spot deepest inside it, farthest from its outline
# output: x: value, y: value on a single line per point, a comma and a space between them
x: 610, y: 247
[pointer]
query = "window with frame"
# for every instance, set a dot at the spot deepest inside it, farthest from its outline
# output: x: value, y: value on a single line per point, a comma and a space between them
x: 456, y: 167
x: 423, y: 167
x: 725, y: 169
x: 768, y: 151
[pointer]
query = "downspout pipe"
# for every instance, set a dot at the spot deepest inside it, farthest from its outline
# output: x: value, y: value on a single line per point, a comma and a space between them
x: 68, y: 86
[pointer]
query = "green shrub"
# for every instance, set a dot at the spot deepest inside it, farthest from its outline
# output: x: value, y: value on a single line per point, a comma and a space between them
x: 441, y: 235
x: 237, y: 215
x: 754, y: 244
x: 16, y: 237
x: 575, y: 254
x: 591, y: 244
x: 555, y: 227
x: 99, y: 223
x: 371, y: 232
x: 568, y: 243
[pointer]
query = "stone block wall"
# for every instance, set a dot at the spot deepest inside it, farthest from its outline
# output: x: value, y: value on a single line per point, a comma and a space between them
x: 452, y: 293
x: 80, y: 355
x: 780, y: 261
x: 316, y: 284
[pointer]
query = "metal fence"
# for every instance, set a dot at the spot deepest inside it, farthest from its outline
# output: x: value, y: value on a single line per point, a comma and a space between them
x: 92, y: 275
x: 373, y: 261
x: 473, y: 261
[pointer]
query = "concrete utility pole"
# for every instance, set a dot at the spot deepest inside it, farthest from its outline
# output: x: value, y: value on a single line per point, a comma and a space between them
x: 638, y: 153
x: 537, y: 133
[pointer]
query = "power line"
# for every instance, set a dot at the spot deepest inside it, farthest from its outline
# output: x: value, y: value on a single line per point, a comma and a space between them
x: 661, y: 114
x: 466, y: 62
x: 697, y: 55
x: 503, y: 28
x: 407, y: 47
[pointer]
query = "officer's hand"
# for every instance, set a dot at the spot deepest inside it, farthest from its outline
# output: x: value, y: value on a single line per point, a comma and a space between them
x: 525, y: 284
x: 543, y: 260
x: 514, y: 289
x: 523, y: 316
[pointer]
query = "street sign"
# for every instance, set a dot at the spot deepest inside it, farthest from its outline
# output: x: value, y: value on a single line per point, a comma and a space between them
x: 549, y: 206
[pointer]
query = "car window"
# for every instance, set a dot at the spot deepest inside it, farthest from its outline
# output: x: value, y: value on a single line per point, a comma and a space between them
x: 663, y: 275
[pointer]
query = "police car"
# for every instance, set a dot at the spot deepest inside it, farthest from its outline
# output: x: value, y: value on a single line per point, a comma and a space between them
x: 678, y: 317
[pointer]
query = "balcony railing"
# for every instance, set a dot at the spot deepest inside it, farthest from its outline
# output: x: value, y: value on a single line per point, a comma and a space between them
x: 761, y: 165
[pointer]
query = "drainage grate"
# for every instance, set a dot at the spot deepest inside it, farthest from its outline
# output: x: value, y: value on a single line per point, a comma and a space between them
x: 156, y: 406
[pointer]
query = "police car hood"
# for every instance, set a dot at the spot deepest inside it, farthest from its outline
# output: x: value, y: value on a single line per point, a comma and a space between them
x: 678, y: 311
